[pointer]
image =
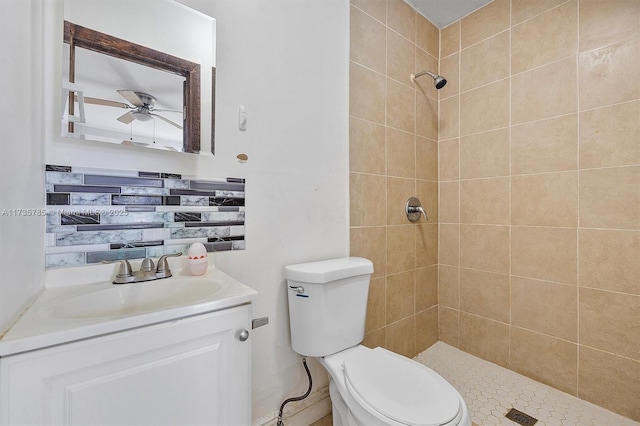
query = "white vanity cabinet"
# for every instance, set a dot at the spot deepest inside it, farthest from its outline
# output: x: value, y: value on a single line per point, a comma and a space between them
x: 193, y: 370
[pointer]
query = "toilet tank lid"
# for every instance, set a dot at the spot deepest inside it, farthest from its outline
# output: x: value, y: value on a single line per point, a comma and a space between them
x: 325, y: 271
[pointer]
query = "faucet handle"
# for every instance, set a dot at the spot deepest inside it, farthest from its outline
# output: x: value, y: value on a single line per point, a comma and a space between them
x: 124, y: 272
x: 163, y: 264
x: 147, y: 265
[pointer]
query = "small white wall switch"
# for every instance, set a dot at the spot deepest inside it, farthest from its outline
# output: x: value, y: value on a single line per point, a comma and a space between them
x: 242, y: 118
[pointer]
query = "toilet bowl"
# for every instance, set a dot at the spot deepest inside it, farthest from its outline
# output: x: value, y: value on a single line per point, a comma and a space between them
x: 379, y: 387
x: 327, y: 309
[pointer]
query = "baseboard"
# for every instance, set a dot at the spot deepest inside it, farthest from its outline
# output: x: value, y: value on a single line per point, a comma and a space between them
x: 301, y: 413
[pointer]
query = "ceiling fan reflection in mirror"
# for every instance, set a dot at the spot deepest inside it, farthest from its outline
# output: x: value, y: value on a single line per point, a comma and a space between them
x: 143, y: 108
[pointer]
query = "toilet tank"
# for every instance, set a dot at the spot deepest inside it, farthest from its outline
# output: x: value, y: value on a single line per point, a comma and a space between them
x: 327, y: 304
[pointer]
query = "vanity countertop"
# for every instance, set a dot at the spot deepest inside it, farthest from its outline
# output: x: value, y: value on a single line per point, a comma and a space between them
x: 68, y: 313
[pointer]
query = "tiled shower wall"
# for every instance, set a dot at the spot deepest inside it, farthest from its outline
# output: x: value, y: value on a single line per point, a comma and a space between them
x: 539, y: 144
x: 393, y: 156
x: 99, y: 214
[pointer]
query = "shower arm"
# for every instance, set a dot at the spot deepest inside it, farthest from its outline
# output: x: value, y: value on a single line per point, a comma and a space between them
x: 421, y: 73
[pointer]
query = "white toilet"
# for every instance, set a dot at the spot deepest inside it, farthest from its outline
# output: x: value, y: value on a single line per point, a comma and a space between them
x: 327, y: 309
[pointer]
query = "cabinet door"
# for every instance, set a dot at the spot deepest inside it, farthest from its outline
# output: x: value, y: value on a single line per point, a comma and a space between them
x: 190, y: 371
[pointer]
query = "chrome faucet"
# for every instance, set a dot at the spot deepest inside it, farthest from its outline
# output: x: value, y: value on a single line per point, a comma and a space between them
x: 148, y: 271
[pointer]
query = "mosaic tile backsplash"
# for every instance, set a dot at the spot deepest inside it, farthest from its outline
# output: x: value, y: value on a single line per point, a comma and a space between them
x: 102, y: 214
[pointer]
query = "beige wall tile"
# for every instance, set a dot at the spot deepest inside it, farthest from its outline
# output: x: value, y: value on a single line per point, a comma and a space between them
x: 610, y: 321
x: 545, y: 38
x: 401, y: 57
x: 525, y: 9
x: 450, y: 69
x: 367, y: 194
x: 485, y: 294
x: 610, y: 136
x: 426, y: 244
x: 485, y: 22
x: 367, y: 94
x: 376, y: 338
x: 606, y: 74
x: 484, y: 338
x: 485, y: 154
x: 366, y: 146
x: 448, y: 160
x: 610, y: 381
x: 449, y: 203
x: 375, y: 8
x: 448, y: 121
x: 426, y: 287
x: 450, y: 39
x: 401, y: 295
x: 448, y: 326
x: 449, y: 286
x: 376, y: 305
x: 399, y: 190
x: 427, y: 193
x: 485, y: 247
x: 547, y: 199
x: 485, y: 108
x: 606, y: 22
x: 545, y: 145
x: 401, y: 111
x: 449, y: 244
x: 401, y: 149
x: 401, y: 337
x: 371, y: 243
x: 545, y: 307
x: 546, y: 359
x: 544, y: 92
x: 474, y: 71
x: 485, y: 201
x: 426, y: 159
x: 401, y: 248
x: 427, y: 35
x: 368, y: 38
x: 544, y: 253
x: 426, y: 116
x: 610, y: 198
x: 401, y: 18
x: 426, y: 329
x: 610, y: 260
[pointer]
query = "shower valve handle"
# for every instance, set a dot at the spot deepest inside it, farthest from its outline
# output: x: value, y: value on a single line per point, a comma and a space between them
x: 413, y: 209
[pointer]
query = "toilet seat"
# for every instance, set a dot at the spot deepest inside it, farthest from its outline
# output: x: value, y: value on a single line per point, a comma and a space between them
x: 400, y: 391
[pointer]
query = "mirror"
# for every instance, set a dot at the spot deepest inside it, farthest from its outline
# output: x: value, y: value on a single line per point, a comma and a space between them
x: 138, y: 72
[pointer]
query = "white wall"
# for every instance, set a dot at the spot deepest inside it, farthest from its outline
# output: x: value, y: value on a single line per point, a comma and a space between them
x: 21, y: 187
x: 287, y: 62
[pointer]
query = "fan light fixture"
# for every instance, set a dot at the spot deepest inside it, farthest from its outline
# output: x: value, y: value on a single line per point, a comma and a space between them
x: 142, y: 116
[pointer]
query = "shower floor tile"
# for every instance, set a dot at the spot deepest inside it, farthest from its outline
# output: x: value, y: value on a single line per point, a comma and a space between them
x: 490, y: 391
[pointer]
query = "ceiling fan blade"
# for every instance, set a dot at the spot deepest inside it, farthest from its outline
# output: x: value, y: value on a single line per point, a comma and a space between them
x: 164, y: 110
x: 167, y: 120
x: 105, y: 102
x: 126, y: 118
x: 131, y: 96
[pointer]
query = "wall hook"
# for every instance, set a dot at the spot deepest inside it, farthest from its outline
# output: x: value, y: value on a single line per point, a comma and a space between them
x: 414, y: 209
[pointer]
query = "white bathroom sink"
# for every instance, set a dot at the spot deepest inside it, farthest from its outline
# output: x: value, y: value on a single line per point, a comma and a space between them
x: 78, y: 311
x: 121, y: 300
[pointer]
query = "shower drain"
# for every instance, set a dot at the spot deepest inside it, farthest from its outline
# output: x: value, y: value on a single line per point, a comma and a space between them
x: 520, y: 417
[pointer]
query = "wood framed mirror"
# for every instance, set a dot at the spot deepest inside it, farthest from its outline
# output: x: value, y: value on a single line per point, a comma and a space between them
x: 140, y: 105
x: 141, y: 51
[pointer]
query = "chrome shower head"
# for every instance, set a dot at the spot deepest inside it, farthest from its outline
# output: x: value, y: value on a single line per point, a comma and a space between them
x: 438, y: 80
